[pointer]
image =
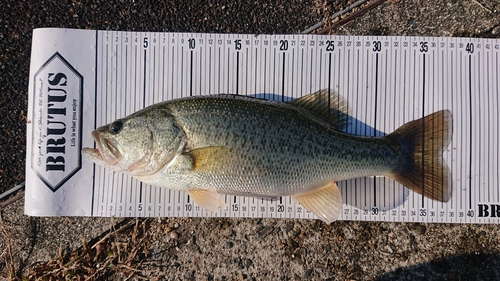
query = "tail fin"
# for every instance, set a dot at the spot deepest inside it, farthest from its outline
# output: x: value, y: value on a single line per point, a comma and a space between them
x: 421, y: 144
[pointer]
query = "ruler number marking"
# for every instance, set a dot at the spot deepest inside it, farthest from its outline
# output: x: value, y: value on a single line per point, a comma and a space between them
x: 283, y: 45
x: 237, y: 44
x: 469, y: 48
x: 424, y: 47
x: 470, y: 213
x: 330, y: 46
x: 281, y: 208
x: 235, y: 207
x: 191, y: 43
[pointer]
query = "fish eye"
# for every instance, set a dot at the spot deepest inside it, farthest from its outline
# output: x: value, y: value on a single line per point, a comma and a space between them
x: 116, y: 127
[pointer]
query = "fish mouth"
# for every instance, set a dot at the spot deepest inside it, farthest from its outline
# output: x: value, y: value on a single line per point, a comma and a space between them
x: 106, y: 149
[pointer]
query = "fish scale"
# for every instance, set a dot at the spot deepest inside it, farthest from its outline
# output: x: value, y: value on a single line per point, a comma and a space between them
x: 294, y: 156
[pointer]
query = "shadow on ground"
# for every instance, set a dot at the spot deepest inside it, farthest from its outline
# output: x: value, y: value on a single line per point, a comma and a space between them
x: 479, y: 266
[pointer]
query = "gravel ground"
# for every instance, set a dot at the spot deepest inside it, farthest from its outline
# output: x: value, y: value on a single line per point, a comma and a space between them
x: 227, y: 249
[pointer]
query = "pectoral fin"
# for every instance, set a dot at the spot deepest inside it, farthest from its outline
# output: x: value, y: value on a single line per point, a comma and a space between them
x: 209, y: 199
x: 324, y: 201
x: 209, y: 159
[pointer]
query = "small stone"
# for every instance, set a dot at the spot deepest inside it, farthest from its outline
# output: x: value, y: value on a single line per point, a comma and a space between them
x: 349, y: 233
x: 387, y: 250
x: 358, y: 269
x: 496, y: 30
x: 265, y: 231
x: 294, y: 243
x: 174, y: 235
x: 248, y: 263
x: 412, y: 23
x: 289, y: 226
x: 421, y: 229
x: 156, y: 252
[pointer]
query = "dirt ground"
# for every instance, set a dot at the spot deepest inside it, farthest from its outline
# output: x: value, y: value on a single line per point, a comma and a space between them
x: 227, y: 249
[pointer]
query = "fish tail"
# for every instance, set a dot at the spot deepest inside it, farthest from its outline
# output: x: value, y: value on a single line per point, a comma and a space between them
x: 421, y: 165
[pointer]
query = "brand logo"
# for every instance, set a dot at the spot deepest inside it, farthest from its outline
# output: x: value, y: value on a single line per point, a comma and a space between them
x: 488, y: 210
x: 57, y: 122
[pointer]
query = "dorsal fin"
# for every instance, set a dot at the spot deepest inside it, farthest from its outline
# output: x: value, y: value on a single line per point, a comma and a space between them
x: 327, y: 105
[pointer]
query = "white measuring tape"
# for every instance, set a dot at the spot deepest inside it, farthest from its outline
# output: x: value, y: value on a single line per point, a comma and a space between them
x: 387, y: 81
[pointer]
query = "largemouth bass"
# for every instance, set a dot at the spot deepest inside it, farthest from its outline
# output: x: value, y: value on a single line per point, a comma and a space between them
x: 237, y: 145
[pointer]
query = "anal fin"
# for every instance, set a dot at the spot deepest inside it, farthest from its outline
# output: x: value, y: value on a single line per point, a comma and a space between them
x: 209, y: 199
x: 325, y: 201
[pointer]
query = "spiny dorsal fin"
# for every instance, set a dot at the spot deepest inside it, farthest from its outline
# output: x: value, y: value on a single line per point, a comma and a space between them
x: 327, y: 105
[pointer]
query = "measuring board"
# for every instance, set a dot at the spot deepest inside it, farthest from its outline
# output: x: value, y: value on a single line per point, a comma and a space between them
x: 82, y: 79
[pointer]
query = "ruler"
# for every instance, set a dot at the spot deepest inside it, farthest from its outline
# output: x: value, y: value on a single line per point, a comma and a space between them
x: 387, y: 81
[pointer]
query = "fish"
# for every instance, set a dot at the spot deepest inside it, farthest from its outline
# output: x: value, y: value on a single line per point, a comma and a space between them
x: 239, y: 145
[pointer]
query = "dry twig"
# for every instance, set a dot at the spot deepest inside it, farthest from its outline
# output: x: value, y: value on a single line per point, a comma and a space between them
x: 353, y: 16
x: 114, y: 252
x: 9, y: 262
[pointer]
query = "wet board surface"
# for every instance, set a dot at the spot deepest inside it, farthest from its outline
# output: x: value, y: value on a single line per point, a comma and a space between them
x: 82, y: 79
